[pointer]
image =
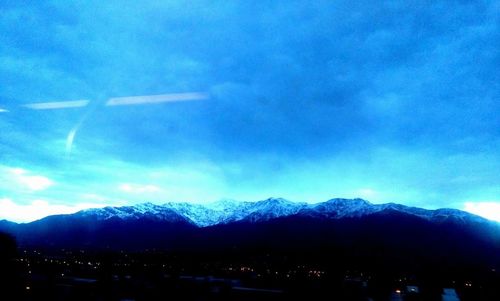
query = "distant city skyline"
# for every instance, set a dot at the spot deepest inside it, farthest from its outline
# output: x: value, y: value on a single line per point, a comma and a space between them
x: 118, y: 104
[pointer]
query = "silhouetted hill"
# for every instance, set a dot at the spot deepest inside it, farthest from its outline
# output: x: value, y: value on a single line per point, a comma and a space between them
x: 9, y: 278
x: 65, y: 231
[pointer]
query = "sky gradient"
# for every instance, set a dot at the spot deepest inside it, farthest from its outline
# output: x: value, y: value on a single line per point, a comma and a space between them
x: 394, y: 101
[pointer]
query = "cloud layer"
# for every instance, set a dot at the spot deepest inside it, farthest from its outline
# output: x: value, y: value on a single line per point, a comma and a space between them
x: 394, y: 101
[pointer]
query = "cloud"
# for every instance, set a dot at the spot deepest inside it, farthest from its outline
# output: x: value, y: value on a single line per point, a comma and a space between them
x: 26, y: 180
x: 302, y: 99
x: 137, y: 188
x: 38, y: 209
x: 489, y: 210
x: 198, y: 182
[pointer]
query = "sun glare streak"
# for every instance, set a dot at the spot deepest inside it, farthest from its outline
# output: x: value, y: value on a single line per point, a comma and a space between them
x: 70, y: 139
x: 155, y: 99
x: 3, y: 110
x: 72, y: 133
x: 57, y: 105
x: 122, y: 101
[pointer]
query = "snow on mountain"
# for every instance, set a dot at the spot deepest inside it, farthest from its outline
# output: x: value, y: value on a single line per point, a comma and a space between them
x: 438, y: 215
x: 146, y: 210
x: 196, y: 213
x: 272, y: 208
x: 339, y: 208
x: 227, y: 211
x: 230, y: 210
x: 342, y: 208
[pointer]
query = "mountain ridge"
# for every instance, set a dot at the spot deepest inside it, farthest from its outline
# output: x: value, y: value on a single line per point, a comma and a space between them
x: 226, y: 211
x: 337, y: 226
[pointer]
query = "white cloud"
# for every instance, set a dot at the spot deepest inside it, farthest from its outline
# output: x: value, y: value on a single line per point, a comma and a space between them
x: 38, y: 209
x: 137, y: 188
x: 35, y: 182
x: 26, y: 180
x: 489, y: 210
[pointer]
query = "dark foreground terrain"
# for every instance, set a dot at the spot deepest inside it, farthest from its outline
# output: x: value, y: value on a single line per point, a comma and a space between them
x: 49, y: 274
x: 386, y: 255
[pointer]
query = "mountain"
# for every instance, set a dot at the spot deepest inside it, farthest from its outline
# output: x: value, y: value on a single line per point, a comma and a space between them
x: 7, y: 226
x: 228, y: 211
x: 130, y: 227
x: 142, y: 211
x: 352, y: 226
x: 339, y: 208
x: 383, y: 241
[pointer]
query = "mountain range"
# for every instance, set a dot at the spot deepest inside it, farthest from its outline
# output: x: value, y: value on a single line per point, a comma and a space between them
x: 228, y: 211
x: 339, y: 227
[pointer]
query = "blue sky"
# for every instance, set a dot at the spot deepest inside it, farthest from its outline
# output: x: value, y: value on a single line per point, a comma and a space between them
x: 395, y: 101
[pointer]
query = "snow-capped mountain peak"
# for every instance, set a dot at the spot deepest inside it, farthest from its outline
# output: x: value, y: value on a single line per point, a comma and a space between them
x: 144, y: 210
x: 339, y: 208
x: 227, y: 211
x: 348, y: 204
x: 272, y: 208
